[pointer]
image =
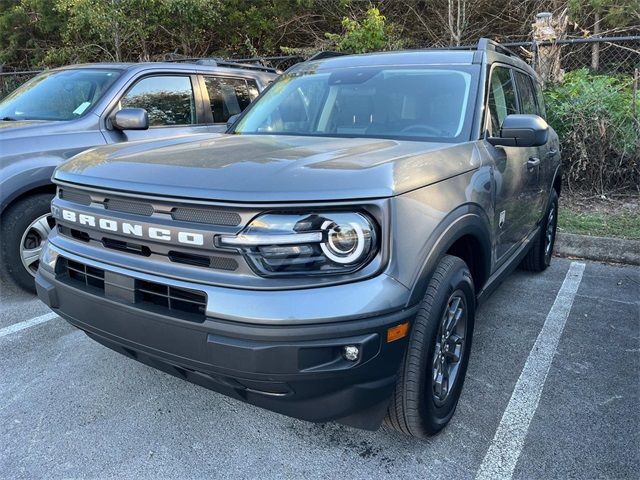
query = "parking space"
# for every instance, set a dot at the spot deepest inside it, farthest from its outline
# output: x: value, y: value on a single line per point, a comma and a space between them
x: 72, y: 408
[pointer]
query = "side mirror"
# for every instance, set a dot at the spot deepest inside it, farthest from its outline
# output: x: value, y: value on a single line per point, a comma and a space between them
x: 131, y: 119
x: 519, y: 130
x: 232, y: 119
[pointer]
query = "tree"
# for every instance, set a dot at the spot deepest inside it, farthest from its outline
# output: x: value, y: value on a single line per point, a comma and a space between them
x: 28, y: 29
x: 369, y: 35
x: 456, y: 20
x: 104, y: 28
x: 603, y: 14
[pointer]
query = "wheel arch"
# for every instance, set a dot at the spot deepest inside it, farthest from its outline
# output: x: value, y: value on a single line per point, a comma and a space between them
x: 557, y: 181
x: 30, y: 176
x: 464, y: 233
x: 28, y: 191
x: 555, y: 186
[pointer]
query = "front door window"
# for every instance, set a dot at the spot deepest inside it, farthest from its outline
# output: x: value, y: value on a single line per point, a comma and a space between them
x: 167, y: 99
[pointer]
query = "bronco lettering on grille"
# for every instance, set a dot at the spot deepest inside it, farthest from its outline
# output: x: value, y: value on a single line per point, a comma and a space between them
x: 127, y: 228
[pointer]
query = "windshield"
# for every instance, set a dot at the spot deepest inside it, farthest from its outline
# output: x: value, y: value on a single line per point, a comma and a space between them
x: 57, y: 95
x: 417, y: 103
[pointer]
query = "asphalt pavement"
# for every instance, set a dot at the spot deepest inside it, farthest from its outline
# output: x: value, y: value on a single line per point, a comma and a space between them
x: 552, y: 391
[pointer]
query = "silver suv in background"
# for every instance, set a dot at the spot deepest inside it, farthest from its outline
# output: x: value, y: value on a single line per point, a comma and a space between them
x: 65, y: 111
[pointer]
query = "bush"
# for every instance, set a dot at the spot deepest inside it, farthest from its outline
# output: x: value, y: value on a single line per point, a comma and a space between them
x: 369, y: 35
x: 600, y: 138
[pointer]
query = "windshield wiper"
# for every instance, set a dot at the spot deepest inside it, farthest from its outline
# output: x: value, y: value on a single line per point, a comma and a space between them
x: 9, y: 119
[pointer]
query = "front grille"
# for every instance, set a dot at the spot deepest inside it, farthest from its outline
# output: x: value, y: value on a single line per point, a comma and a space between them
x: 92, y: 278
x: 224, y: 263
x: 144, y: 208
x: 128, y: 206
x: 73, y: 233
x: 215, y: 262
x: 206, y: 261
x: 172, y: 298
x: 155, y: 297
x: 211, y: 217
x: 209, y: 220
x: 75, y: 196
x: 128, y: 247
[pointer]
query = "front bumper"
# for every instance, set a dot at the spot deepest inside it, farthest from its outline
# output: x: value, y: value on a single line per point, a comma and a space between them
x: 294, y: 369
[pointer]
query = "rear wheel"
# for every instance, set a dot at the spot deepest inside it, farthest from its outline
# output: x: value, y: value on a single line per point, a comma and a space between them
x: 539, y: 256
x: 435, y: 364
x: 25, y: 227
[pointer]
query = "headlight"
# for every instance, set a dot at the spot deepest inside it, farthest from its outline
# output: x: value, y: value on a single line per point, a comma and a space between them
x: 278, y: 244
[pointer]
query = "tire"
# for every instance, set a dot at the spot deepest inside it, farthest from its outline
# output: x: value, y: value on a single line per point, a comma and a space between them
x: 417, y: 407
x: 539, y: 256
x: 24, y: 227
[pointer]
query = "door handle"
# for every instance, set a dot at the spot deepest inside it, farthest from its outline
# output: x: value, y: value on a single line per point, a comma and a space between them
x: 532, y: 163
x: 552, y: 153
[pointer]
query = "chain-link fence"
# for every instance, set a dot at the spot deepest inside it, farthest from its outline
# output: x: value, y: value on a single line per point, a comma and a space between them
x: 11, y: 80
x: 608, y: 55
x: 613, y: 55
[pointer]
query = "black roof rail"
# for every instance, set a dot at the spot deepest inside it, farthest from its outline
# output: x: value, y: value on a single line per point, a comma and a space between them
x: 487, y: 44
x: 325, y: 54
x: 219, y: 62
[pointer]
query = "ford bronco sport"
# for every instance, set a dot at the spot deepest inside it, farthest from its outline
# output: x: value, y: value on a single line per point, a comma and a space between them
x: 64, y: 111
x: 324, y: 259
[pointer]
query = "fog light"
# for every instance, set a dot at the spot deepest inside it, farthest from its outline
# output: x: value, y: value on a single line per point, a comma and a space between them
x: 351, y: 353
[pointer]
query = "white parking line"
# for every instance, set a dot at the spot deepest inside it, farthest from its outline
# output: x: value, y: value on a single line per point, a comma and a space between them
x: 16, y: 327
x: 505, y: 449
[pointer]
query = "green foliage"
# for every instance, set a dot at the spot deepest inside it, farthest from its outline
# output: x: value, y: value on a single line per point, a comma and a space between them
x: 623, y: 224
x: 38, y: 33
x: 251, y: 28
x: 600, y: 138
x: 369, y: 35
x: 28, y: 30
x: 613, y: 13
x: 133, y: 29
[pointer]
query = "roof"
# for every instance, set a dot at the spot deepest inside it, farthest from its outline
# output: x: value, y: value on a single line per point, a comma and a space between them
x: 402, y: 57
x: 487, y: 51
x: 173, y: 66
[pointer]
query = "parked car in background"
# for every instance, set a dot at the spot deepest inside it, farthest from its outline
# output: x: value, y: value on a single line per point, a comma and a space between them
x: 65, y: 111
x: 325, y: 258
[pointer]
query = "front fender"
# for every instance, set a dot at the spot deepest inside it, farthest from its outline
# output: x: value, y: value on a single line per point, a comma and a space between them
x: 19, y: 178
x: 466, y: 220
x: 29, y: 157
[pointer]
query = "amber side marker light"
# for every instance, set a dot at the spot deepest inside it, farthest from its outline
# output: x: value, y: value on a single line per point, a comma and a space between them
x: 397, y: 332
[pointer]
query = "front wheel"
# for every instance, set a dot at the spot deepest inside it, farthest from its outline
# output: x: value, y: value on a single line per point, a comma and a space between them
x: 25, y: 227
x: 435, y: 364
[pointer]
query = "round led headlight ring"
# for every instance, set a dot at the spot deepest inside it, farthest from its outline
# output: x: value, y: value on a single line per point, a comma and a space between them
x: 341, y: 250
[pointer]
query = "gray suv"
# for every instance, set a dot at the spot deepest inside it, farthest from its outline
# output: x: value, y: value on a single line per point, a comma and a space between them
x: 65, y: 111
x: 326, y: 257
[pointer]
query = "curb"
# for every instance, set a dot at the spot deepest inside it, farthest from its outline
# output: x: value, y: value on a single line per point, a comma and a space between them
x: 604, y: 249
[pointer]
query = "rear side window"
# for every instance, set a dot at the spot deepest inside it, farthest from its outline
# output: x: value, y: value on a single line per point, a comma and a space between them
x: 541, y: 108
x: 167, y: 99
x: 229, y: 96
x: 502, y: 98
x: 527, y: 94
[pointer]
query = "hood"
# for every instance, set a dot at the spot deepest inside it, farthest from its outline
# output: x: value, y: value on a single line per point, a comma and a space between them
x: 9, y: 128
x: 19, y: 129
x: 269, y: 168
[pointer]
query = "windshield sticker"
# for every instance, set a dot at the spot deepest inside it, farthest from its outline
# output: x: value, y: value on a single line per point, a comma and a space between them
x: 81, y: 108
